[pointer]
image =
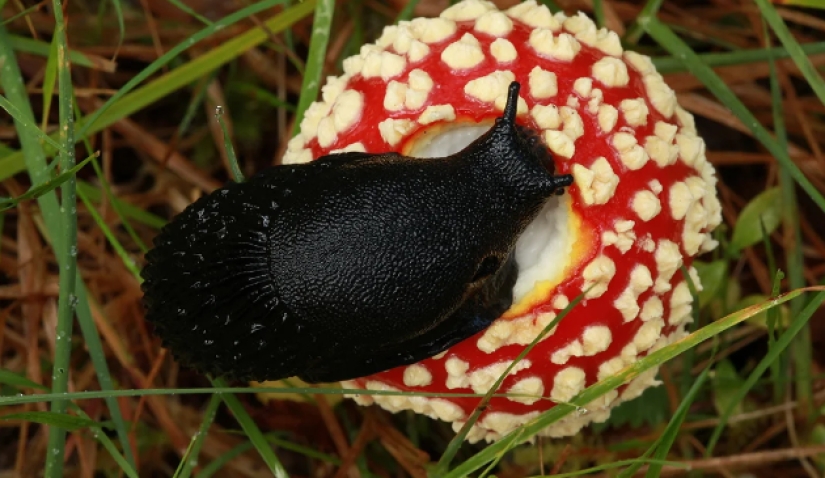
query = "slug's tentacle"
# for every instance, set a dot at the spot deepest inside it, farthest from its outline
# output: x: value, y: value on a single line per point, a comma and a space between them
x: 351, y: 264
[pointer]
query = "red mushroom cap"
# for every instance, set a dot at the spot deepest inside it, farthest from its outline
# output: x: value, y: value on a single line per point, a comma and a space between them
x: 643, y: 203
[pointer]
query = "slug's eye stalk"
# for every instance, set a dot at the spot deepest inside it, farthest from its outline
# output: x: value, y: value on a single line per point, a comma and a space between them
x: 641, y: 199
x: 509, y: 115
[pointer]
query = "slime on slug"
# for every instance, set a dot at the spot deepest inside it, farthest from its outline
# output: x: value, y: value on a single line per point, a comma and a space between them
x: 351, y: 264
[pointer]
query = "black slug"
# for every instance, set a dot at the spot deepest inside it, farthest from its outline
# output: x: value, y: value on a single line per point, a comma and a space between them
x: 351, y: 264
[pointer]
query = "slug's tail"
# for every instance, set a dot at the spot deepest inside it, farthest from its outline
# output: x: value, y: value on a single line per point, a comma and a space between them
x: 207, y: 287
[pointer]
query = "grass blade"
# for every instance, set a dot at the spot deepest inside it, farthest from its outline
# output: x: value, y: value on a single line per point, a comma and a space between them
x: 406, y: 13
x: 107, y: 443
x: 665, y: 37
x: 124, y: 103
x: 252, y: 431
x: 120, y: 25
x: 37, y: 47
x: 598, y: 389
x: 798, y: 324
x: 35, y: 160
x: 116, y: 205
x: 67, y: 300
x: 190, y: 459
x: 52, y: 419
x: 230, y: 150
x: 129, y: 210
x: 802, y: 352
x: 668, y: 436
x: 7, y: 377
x: 22, y: 123
x: 113, y: 241
x: 36, y: 191
x: 669, y: 64
x: 635, y: 32
x: 315, y: 59
x: 446, y: 457
x: 770, y: 15
x: 665, y: 441
x: 49, y: 81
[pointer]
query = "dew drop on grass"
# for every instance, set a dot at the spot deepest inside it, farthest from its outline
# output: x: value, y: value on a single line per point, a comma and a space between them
x: 73, y: 251
x: 218, y: 111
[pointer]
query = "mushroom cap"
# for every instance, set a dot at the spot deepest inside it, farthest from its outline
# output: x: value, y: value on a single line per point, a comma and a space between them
x: 642, y: 206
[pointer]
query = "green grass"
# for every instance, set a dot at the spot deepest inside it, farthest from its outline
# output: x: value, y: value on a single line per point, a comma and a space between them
x: 774, y: 211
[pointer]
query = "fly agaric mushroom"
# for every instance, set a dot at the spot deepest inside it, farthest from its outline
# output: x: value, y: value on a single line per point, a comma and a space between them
x: 643, y: 204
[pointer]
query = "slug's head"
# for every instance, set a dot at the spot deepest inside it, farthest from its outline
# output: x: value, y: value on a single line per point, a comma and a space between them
x: 518, y: 152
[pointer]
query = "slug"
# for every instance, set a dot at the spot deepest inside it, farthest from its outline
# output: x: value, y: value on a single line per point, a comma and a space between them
x: 351, y: 264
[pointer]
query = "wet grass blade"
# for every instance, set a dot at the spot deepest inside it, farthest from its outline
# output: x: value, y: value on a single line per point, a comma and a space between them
x: 252, y: 431
x: 190, y: 459
x: 52, y: 419
x: 33, y: 155
x: 67, y: 300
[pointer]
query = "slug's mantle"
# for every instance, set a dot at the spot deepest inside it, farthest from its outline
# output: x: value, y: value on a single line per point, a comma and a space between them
x: 643, y: 204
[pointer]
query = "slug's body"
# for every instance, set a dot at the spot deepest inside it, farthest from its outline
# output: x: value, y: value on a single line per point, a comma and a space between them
x: 351, y: 264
